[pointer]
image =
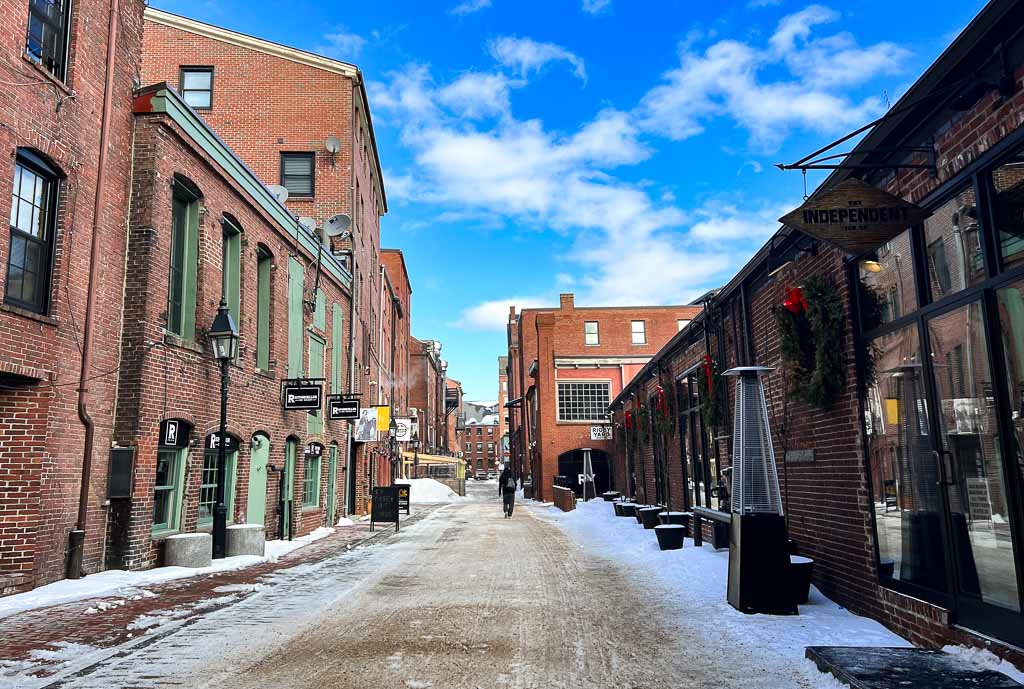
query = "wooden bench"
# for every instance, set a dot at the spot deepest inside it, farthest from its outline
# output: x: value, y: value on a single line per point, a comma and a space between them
x: 720, y: 527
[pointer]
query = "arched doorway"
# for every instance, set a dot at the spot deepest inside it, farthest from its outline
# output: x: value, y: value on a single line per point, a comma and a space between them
x: 570, y: 465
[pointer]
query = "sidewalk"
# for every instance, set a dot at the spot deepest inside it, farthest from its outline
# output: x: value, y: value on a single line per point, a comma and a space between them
x: 38, y: 637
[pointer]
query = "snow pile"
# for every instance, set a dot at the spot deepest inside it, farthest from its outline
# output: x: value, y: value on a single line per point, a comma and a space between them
x: 424, y: 490
x: 345, y: 521
x: 985, y: 660
x: 690, y: 587
x: 120, y: 583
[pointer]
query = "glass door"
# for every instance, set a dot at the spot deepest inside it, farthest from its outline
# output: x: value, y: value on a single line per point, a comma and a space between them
x: 970, y: 463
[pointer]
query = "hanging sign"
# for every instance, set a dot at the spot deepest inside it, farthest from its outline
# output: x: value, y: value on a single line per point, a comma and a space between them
x: 342, y: 407
x: 314, y: 450
x: 405, y: 428
x: 854, y: 216
x: 365, y: 430
x: 383, y: 418
x: 600, y: 432
x: 174, y: 433
x: 302, y: 393
x: 213, y: 442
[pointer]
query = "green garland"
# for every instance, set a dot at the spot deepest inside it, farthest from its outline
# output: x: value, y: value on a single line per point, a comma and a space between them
x: 710, y: 397
x: 664, y: 412
x: 643, y: 417
x: 811, y: 344
x: 870, y: 318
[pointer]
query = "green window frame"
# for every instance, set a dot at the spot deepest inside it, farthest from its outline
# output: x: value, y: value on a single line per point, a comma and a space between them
x: 315, y: 419
x: 167, y: 489
x: 296, y: 278
x: 311, y: 481
x: 337, y: 336
x: 264, y: 263
x: 181, y: 293
x: 320, y: 311
x: 208, y: 486
x: 231, y: 269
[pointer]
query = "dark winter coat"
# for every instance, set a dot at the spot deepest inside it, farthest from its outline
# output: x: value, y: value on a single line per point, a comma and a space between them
x: 505, y: 475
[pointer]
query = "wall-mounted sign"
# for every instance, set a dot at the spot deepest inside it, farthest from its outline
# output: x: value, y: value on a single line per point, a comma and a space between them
x: 365, y: 430
x: 314, y: 450
x: 302, y: 393
x: 212, y: 442
x: 383, y: 418
x: 600, y: 432
x: 174, y: 433
x: 405, y: 429
x: 854, y: 216
x: 342, y: 407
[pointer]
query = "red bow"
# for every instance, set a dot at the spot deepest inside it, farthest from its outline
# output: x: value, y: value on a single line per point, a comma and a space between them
x: 707, y: 369
x: 795, y: 301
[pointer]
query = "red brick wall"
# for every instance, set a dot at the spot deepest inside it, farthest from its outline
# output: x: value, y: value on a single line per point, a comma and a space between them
x: 41, y: 437
x: 164, y: 378
x: 563, y: 498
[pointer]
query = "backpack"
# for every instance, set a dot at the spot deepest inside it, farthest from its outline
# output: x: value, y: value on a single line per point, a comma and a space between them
x: 510, y: 483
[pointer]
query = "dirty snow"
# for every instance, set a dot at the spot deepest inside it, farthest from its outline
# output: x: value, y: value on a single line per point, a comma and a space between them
x: 986, y: 660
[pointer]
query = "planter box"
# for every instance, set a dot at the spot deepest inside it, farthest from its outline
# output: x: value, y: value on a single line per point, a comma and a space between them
x: 649, y: 516
x: 628, y: 509
x: 800, y: 571
x: 670, y: 536
x: 610, y: 495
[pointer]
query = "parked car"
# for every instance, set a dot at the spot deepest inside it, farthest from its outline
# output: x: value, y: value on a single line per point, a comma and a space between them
x: 480, y: 476
x: 491, y: 475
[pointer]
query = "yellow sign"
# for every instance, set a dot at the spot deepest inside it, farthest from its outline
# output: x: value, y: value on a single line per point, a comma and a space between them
x: 383, y: 418
x: 892, y: 411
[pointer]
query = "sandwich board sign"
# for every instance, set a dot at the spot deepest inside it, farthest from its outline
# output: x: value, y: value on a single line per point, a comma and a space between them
x: 385, y: 506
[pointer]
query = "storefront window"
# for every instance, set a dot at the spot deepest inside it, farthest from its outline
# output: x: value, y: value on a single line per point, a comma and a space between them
x: 167, y: 489
x: 208, y: 487
x: 953, y: 246
x: 887, y: 282
x: 1008, y: 207
x: 904, y: 473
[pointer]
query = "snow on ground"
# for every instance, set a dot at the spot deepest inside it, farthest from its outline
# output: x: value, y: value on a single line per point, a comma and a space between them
x: 693, y: 583
x: 984, y: 659
x: 427, y: 490
x: 116, y: 582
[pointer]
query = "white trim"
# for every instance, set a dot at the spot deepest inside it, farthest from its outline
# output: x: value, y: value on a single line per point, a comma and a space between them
x: 218, y: 33
x: 598, y: 361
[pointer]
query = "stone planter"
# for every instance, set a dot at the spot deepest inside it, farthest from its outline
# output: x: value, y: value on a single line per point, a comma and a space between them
x: 670, y: 536
x: 628, y: 509
x: 245, y: 539
x: 609, y: 496
x: 617, y: 506
x: 637, y: 513
x: 674, y: 518
x: 649, y: 517
x: 800, y: 571
x: 188, y: 550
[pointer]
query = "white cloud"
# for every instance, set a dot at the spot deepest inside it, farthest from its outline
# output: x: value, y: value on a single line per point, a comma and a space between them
x: 469, y: 7
x: 342, y: 45
x: 726, y: 81
x: 596, y: 6
x: 527, y: 55
x: 477, y: 94
x: 493, y: 314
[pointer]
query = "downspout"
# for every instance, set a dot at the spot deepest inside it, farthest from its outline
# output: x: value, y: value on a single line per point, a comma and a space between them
x: 76, y: 538
x: 354, y: 314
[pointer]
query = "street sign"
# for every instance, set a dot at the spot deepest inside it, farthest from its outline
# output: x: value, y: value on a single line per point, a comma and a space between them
x: 302, y: 393
x: 385, y: 505
x: 600, y: 432
x: 342, y: 408
x: 404, y: 491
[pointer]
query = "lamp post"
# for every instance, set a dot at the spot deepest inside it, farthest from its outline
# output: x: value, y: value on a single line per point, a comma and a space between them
x: 415, y: 452
x: 393, y: 445
x: 224, y: 338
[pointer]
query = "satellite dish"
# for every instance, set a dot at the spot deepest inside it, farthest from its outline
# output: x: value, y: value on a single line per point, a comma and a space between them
x: 337, y: 225
x: 333, y: 144
x: 308, y: 222
x: 280, y: 192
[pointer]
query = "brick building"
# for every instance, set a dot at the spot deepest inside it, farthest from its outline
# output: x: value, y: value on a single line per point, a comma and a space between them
x: 907, y: 489
x: 61, y: 271
x: 427, y: 394
x: 203, y: 227
x: 314, y: 136
x: 503, y: 414
x: 480, y: 438
x: 456, y: 417
x: 571, y: 363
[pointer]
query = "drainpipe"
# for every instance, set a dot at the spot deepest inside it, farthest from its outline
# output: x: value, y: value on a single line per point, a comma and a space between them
x: 76, y: 538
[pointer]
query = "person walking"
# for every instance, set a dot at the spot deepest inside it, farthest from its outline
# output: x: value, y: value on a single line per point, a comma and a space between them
x: 507, y: 490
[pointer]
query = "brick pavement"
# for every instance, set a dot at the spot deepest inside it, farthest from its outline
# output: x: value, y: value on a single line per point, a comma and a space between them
x: 109, y: 621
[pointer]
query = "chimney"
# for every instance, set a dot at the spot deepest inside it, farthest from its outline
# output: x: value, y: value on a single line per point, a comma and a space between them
x: 565, y: 301
x: 511, y: 313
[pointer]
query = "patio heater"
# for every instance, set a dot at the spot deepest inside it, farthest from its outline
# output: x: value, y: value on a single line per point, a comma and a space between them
x: 759, y: 577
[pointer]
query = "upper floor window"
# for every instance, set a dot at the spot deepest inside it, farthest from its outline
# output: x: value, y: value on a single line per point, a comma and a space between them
x: 583, y: 401
x: 33, y: 226
x: 638, y: 330
x: 297, y: 173
x: 590, y: 335
x: 181, y: 292
x: 197, y: 86
x: 264, y: 264
x: 231, y: 268
x: 47, y: 40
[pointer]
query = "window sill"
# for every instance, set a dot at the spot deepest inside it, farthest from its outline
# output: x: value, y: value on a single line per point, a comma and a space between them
x: 163, y: 534
x: 31, y: 315
x: 182, y: 343
x: 310, y: 508
x: 46, y: 74
x: 267, y: 373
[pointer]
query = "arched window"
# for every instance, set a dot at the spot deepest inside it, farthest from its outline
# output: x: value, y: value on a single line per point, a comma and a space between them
x: 184, y: 259
x: 264, y: 263
x: 231, y: 266
x: 33, y: 226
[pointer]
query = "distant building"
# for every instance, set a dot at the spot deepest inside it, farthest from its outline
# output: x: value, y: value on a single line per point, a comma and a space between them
x: 480, y: 437
x: 503, y: 413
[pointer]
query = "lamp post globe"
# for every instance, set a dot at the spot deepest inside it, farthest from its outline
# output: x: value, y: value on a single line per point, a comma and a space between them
x: 223, y: 337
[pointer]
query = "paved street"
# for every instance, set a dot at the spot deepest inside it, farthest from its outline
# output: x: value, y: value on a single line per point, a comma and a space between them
x: 463, y: 598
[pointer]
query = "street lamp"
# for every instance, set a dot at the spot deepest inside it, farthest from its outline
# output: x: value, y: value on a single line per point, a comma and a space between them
x: 415, y: 452
x: 224, y: 338
x: 393, y: 445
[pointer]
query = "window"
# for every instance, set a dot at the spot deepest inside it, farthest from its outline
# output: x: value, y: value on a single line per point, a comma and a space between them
x: 311, y: 481
x: 231, y: 274
x: 197, y: 86
x: 170, y: 464
x: 337, y: 337
x: 887, y: 282
x: 479, y: 431
x: 583, y: 401
x: 681, y: 323
x: 315, y: 419
x: 181, y: 293
x: 1008, y: 183
x: 954, y: 245
x: 638, y: 329
x: 296, y: 277
x: 208, y: 486
x: 490, y: 447
x: 479, y: 447
x: 590, y: 336
x: 297, y: 173
x: 264, y: 262
x: 47, y: 41
x: 33, y: 225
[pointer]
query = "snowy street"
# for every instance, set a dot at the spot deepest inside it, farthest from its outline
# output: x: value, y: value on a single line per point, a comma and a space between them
x: 463, y: 598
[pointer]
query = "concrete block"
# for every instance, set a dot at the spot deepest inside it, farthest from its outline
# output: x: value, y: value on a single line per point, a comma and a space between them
x: 188, y: 550
x: 246, y: 539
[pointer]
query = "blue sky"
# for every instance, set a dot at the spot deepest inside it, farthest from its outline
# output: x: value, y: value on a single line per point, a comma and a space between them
x: 618, y: 149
